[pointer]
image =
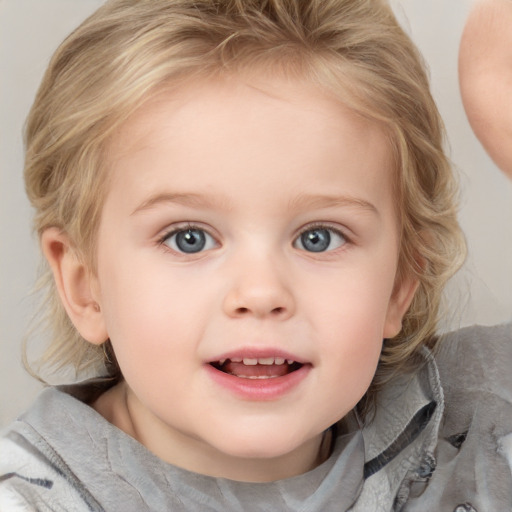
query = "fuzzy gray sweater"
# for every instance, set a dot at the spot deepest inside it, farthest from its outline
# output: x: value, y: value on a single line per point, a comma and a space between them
x: 441, y: 441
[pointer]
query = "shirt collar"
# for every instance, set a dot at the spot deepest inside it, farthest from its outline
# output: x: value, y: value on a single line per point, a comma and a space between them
x: 400, y: 440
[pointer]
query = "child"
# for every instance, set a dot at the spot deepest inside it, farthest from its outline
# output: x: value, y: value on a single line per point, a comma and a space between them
x: 249, y: 219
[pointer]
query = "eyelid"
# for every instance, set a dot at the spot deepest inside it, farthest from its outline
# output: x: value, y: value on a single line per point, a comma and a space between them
x: 324, y: 225
x: 347, y: 240
x: 180, y: 227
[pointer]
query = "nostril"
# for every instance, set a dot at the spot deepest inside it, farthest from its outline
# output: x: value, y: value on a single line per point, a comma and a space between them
x: 275, y: 311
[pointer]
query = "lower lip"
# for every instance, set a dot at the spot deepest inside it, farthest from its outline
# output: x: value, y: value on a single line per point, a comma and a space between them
x: 259, y: 389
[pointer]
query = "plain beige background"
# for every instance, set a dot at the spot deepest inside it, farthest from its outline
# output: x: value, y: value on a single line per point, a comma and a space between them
x: 29, y: 32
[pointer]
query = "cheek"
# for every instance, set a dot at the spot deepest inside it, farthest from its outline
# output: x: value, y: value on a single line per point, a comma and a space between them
x: 355, y: 301
x: 349, y: 321
x: 152, y: 312
x: 152, y: 341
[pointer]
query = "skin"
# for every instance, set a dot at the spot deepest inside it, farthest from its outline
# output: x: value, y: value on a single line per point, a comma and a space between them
x: 485, y: 75
x: 251, y: 163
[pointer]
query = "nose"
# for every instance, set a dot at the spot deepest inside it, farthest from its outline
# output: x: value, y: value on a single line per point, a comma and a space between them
x: 258, y: 289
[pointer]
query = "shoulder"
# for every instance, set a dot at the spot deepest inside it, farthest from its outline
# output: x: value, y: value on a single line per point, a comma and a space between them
x: 26, y: 477
x: 474, y: 448
x: 477, y: 359
x: 34, y: 472
x: 21, y: 457
x: 483, y: 342
x: 475, y: 370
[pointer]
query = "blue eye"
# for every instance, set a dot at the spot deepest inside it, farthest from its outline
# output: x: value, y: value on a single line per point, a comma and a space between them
x: 189, y: 241
x: 320, y: 240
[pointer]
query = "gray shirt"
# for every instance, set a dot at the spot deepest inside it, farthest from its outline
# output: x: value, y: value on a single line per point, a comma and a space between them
x: 416, y: 454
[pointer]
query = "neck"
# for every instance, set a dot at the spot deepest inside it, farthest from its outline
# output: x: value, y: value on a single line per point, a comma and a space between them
x: 122, y: 408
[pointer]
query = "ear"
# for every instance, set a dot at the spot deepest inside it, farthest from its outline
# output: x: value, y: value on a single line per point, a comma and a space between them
x: 77, y: 286
x: 403, y: 293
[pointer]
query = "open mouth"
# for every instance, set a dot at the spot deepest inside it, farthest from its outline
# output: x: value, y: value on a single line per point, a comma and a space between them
x: 257, y: 368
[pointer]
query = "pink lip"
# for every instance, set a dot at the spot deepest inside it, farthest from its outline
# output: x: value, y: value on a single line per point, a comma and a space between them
x: 258, y: 389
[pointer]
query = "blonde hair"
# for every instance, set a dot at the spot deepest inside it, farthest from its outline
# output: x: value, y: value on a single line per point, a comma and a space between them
x: 129, y: 49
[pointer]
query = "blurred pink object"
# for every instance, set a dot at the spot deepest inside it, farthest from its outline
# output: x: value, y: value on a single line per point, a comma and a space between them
x: 485, y: 77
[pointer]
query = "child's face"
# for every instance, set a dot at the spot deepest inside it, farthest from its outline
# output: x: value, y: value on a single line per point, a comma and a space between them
x: 247, y: 222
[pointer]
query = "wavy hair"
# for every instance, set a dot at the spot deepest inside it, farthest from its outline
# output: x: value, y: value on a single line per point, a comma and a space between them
x: 123, y: 54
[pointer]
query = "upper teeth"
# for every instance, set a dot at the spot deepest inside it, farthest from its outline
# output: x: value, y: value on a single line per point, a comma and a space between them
x: 249, y: 361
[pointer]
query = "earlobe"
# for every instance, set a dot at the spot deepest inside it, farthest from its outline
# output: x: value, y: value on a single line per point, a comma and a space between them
x: 75, y: 285
x: 399, y: 303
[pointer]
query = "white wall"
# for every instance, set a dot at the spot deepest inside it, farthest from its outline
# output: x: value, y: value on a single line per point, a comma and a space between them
x: 29, y: 32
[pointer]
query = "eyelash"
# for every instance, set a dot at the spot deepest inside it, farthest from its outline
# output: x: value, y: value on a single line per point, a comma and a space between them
x: 320, y: 225
x: 179, y: 229
x: 327, y: 227
x: 162, y: 241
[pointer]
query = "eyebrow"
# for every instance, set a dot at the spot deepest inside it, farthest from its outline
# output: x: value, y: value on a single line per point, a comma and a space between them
x: 191, y: 200
x: 301, y: 202
x: 306, y: 201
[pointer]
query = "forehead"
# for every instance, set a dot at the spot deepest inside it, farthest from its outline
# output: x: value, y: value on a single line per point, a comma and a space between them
x: 217, y: 130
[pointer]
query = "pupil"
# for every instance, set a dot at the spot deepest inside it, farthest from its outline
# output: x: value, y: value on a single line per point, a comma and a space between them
x: 317, y: 240
x: 191, y: 241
